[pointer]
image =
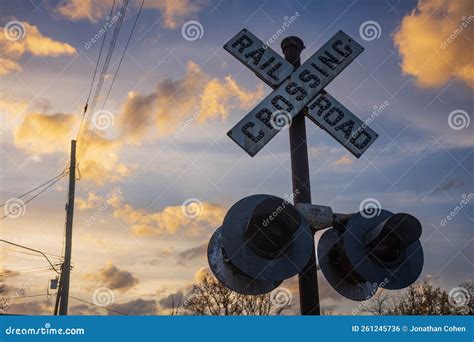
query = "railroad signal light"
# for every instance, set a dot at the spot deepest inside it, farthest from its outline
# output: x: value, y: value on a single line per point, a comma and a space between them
x: 263, y: 240
x: 372, y: 252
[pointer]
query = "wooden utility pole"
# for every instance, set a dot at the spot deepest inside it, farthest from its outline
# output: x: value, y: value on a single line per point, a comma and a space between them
x: 66, y: 268
x: 308, y: 278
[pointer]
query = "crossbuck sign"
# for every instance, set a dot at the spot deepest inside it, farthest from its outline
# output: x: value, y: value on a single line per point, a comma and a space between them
x: 297, y: 90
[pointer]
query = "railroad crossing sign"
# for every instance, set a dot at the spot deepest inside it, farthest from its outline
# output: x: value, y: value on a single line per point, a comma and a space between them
x: 296, y: 90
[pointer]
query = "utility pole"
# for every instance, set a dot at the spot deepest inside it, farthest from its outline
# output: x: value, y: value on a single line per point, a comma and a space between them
x: 308, y: 278
x: 66, y: 268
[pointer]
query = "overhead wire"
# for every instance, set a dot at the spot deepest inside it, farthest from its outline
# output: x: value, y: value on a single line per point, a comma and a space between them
x: 105, y: 67
x: 30, y: 249
x: 99, y: 306
x: 23, y: 204
x: 32, y: 254
x: 117, y: 70
x: 37, y: 187
x: 123, y: 54
x: 95, y: 73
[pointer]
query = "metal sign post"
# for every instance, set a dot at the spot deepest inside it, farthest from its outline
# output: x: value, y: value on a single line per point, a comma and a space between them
x: 299, y: 91
x: 308, y: 277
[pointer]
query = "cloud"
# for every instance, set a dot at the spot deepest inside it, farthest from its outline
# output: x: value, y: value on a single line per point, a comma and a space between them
x: 92, y: 10
x: 434, y: 42
x: 83, y: 309
x: 344, y: 160
x: 172, y: 301
x: 193, y: 253
x: 40, y: 307
x: 33, y: 42
x: 92, y: 201
x: 174, y: 103
x: 136, y: 307
x: 40, y: 133
x: 101, y: 163
x: 113, y: 278
x: 174, y: 13
x: 170, y: 220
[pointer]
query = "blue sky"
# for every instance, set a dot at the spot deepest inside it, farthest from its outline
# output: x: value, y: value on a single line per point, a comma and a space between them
x: 419, y: 164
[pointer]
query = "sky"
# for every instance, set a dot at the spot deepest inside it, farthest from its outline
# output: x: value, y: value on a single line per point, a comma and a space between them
x: 157, y: 144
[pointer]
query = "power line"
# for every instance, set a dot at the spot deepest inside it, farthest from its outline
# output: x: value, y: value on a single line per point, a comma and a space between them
x: 104, y: 72
x: 37, y: 187
x: 116, y: 72
x: 103, y: 307
x: 30, y: 296
x: 22, y: 205
x: 95, y: 73
x: 37, y: 255
x: 30, y: 272
x: 105, y: 66
x: 31, y: 249
x: 123, y: 53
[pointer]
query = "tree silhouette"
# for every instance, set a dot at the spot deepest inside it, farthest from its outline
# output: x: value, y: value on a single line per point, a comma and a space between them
x: 210, y: 297
x: 420, y: 299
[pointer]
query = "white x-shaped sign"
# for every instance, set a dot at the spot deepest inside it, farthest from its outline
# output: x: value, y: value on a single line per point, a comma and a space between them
x: 296, y: 90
